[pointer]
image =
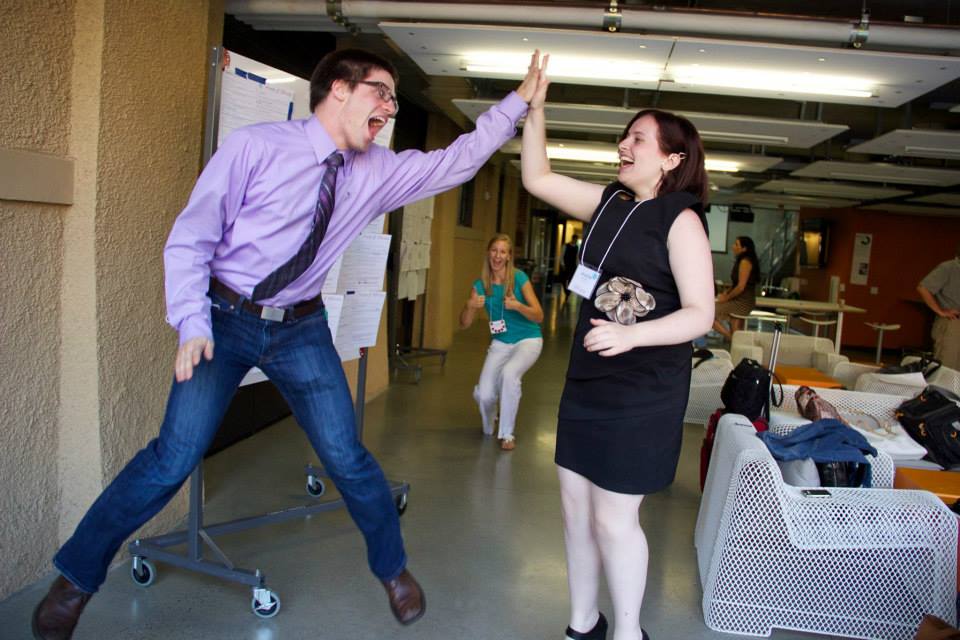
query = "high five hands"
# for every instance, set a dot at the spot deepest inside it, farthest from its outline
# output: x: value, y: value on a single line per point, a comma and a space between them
x: 533, y: 89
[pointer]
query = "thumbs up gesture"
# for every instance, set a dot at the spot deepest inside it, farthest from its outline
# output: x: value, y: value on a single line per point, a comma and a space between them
x: 476, y: 300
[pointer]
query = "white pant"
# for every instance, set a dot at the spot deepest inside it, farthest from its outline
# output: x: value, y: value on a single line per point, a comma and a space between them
x: 500, y: 378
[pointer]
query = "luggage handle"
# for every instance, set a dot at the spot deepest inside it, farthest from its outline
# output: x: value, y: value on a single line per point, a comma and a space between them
x: 774, y: 351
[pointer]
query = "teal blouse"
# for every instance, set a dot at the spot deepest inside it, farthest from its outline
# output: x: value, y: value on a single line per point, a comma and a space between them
x: 518, y: 327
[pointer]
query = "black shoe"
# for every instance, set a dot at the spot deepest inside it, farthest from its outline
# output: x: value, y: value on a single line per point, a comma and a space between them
x: 599, y: 631
x: 646, y: 636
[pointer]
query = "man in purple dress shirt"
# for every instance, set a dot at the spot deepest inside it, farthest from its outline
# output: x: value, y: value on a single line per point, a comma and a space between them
x: 253, y: 211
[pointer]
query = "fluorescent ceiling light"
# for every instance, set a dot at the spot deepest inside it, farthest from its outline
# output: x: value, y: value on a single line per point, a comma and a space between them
x: 556, y: 152
x: 562, y: 66
x: 743, y: 138
x: 773, y: 81
x: 721, y: 165
x: 281, y: 80
x: 612, y: 156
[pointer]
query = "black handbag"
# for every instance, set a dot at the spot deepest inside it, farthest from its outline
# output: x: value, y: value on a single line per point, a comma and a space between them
x: 841, y: 474
x: 926, y: 366
x: 747, y: 390
x: 933, y: 420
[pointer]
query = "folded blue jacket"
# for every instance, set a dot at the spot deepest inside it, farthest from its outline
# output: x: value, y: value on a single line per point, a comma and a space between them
x: 823, y: 441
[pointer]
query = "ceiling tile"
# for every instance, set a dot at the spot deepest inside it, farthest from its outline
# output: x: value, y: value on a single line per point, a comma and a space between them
x: 750, y: 163
x: 442, y: 49
x: 889, y: 79
x: 775, y: 200
x: 713, y: 127
x: 895, y: 77
x: 915, y: 210
x: 951, y: 199
x: 919, y: 143
x: 831, y: 189
x: 595, y: 170
x: 879, y: 172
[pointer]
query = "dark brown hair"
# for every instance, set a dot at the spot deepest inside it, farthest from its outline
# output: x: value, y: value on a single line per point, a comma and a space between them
x: 676, y: 134
x: 352, y: 65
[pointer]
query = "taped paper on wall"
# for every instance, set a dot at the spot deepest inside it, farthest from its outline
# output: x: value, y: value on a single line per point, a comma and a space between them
x: 364, y: 262
x: 860, y: 267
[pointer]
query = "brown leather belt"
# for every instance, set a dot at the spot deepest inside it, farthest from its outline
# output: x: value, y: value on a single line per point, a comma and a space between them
x: 275, y: 314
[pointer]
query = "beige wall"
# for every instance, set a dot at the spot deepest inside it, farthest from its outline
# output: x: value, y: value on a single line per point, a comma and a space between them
x: 34, y: 115
x: 119, y: 87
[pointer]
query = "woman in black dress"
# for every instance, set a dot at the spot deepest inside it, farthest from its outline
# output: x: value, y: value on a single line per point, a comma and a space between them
x: 647, y: 278
x: 741, y: 297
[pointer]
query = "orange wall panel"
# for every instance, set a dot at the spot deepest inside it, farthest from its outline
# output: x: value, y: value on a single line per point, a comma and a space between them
x: 905, y: 249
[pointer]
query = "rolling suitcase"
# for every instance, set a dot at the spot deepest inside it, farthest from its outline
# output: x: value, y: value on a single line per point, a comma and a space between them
x: 748, y: 390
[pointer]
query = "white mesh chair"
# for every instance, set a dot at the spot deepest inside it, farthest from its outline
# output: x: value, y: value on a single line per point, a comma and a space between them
x: 795, y: 350
x: 902, y: 385
x: 947, y: 378
x: 706, y: 381
x: 943, y: 377
x: 862, y: 563
x: 848, y: 372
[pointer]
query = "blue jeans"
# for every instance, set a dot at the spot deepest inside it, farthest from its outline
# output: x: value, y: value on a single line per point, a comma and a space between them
x: 299, y: 358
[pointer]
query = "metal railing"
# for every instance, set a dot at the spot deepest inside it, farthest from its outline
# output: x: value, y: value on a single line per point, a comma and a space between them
x: 778, y: 253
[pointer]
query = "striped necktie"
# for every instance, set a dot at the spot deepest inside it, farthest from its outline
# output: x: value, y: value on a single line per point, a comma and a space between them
x: 295, y: 266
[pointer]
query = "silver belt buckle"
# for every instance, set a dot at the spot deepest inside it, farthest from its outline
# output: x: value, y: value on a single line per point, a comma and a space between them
x: 274, y: 314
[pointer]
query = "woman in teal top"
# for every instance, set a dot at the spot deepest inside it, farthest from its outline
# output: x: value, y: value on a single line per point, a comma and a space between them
x: 515, y: 316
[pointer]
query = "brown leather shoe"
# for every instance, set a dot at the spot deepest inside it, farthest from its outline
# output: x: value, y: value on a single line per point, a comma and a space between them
x: 56, y: 616
x: 406, y: 598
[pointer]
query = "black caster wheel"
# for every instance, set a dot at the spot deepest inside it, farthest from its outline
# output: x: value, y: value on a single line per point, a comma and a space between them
x: 265, y: 604
x: 401, y: 502
x: 145, y: 574
x: 315, y: 486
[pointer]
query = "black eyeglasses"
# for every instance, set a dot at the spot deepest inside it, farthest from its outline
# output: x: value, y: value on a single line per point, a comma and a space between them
x: 384, y: 92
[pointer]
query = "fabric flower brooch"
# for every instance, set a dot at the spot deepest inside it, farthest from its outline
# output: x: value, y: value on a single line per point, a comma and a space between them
x: 623, y: 300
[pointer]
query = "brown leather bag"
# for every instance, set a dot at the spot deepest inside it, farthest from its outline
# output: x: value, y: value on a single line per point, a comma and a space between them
x: 812, y: 407
x: 933, y: 628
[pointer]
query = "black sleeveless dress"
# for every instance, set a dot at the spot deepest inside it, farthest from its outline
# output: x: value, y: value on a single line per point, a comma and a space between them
x: 621, y: 417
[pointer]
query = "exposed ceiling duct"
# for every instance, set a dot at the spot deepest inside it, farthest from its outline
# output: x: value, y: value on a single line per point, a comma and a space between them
x: 363, y: 16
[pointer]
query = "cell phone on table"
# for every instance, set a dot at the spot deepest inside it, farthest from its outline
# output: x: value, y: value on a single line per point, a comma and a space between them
x: 815, y: 493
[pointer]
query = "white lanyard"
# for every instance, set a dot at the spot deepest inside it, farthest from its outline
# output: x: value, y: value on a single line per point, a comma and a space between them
x: 583, y: 249
x: 585, y: 278
x: 498, y: 326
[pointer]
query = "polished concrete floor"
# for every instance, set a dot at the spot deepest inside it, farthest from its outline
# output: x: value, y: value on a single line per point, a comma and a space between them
x: 482, y: 530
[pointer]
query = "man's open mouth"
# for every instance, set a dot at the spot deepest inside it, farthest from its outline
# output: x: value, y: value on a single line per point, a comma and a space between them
x: 376, y: 123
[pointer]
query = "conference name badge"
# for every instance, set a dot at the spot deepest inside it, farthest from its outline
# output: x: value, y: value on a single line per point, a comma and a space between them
x: 498, y: 326
x: 584, y: 281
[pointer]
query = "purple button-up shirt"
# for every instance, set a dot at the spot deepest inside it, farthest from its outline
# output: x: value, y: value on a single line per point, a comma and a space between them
x: 253, y: 206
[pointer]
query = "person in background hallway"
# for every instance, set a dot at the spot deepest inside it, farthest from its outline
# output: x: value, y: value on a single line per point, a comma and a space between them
x: 646, y: 277
x: 568, y: 263
x: 245, y: 262
x: 515, y: 316
x: 940, y: 289
x: 740, y: 298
